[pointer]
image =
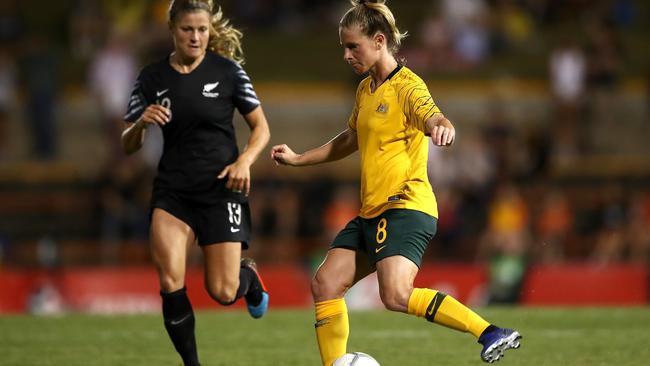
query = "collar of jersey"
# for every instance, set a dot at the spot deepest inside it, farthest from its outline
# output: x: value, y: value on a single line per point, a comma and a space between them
x: 392, y: 73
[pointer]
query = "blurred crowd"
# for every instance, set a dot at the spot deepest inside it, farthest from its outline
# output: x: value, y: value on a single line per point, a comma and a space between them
x: 470, y: 32
x: 101, y: 44
x: 499, y: 201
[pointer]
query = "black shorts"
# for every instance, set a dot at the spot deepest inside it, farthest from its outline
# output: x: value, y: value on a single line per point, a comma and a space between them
x: 227, y: 220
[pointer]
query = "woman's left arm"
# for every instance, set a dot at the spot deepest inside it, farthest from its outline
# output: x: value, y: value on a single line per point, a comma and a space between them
x: 440, y: 129
x: 238, y: 173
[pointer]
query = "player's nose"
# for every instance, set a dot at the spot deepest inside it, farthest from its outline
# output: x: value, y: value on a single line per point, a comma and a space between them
x: 347, y: 55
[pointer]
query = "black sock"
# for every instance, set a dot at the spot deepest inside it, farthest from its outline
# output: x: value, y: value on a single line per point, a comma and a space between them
x: 179, y: 322
x: 249, y: 286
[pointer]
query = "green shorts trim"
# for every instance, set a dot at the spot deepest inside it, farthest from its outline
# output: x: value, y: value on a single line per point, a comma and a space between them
x: 401, y: 232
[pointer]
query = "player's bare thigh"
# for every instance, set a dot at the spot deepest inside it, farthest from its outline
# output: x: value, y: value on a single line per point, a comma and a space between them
x: 340, y: 270
x: 396, y: 275
x: 170, y: 240
x: 222, y: 266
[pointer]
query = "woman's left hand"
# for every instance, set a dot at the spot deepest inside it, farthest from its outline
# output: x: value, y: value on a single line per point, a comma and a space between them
x: 239, y: 177
x: 441, y: 130
x: 443, y: 135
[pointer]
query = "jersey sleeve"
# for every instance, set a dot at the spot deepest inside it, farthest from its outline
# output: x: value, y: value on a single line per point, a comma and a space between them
x: 244, y: 96
x: 416, y: 103
x: 352, y: 121
x: 138, y: 101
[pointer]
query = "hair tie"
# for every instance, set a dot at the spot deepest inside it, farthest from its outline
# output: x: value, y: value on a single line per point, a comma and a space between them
x: 365, y: 2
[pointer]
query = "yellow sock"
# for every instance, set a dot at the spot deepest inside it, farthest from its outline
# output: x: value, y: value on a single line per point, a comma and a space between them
x: 443, y: 309
x: 332, y: 329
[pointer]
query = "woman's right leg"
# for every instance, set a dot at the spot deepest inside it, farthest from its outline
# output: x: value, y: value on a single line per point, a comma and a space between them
x: 170, y: 239
x: 341, y: 269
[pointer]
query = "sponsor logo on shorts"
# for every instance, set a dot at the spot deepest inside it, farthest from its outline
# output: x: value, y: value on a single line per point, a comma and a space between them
x: 234, y: 229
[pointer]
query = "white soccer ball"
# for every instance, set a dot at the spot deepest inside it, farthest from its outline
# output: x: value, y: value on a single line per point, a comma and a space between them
x: 355, y: 359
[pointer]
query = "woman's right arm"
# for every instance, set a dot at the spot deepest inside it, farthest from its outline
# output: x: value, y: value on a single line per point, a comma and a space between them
x: 344, y: 144
x: 133, y: 134
x: 133, y: 137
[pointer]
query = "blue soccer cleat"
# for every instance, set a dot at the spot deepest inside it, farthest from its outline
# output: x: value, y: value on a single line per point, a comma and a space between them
x: 261, y: 308
x: 257, y: 311
x: 496, y: 341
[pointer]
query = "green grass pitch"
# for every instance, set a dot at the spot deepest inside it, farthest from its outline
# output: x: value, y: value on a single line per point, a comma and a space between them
x: 554, y: 337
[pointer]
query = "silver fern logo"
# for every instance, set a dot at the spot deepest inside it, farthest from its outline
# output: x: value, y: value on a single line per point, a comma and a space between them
x: 208, y: 88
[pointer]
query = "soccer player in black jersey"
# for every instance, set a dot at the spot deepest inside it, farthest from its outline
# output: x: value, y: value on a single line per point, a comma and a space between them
x: 201, y: 187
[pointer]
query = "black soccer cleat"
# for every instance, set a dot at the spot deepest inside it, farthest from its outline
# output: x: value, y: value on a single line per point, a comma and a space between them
x: 257, y: 311
x: 497, y: 341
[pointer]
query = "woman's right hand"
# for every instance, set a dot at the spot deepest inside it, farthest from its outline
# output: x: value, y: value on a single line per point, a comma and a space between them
x: 155, y: 114
x: 282, y: 154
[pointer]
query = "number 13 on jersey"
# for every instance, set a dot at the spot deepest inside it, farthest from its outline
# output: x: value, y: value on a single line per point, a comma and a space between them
x: 234, y: 213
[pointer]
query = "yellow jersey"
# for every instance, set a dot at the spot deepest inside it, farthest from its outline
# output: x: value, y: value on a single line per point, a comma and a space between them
x: 390, y: 125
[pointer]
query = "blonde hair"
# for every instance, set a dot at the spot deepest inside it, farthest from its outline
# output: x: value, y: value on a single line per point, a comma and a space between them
x: 225, y: 39
x: 374, y: 16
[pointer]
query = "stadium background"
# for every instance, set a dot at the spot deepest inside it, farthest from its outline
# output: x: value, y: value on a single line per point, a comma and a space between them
x: 544, y: 199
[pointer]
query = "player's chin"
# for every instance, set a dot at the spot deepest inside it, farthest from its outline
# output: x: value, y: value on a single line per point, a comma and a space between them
x: 194, y: 52
x: 358, y: 69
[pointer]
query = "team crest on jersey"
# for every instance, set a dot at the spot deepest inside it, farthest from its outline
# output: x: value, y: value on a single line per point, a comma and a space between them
x: 208, y: 90
x: 383, y: 108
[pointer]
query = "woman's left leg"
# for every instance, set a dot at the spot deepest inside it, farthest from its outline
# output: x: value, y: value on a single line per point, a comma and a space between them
x: 228, y: 277
x: 396, y: 275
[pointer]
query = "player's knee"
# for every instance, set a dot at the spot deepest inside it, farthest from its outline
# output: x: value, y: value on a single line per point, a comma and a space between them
x: 170, y: 284
x: 391, y: 303
x: 318, y: 288
x: 394, y: 299
x: 325, y: 288
x: 224, y: 292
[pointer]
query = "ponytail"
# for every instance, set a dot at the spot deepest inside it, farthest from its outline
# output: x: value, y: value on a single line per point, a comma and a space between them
x: 225, y: 39
x: 374, y: 16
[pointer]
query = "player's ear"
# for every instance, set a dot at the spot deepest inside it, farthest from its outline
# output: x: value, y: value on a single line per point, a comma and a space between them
x: 380, y: 40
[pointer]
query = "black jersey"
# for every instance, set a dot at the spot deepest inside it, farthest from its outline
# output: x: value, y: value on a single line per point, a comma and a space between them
x: 199, y: 140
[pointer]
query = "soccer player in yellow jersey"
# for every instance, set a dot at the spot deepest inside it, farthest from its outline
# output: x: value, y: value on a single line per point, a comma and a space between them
x: 393, y: 117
